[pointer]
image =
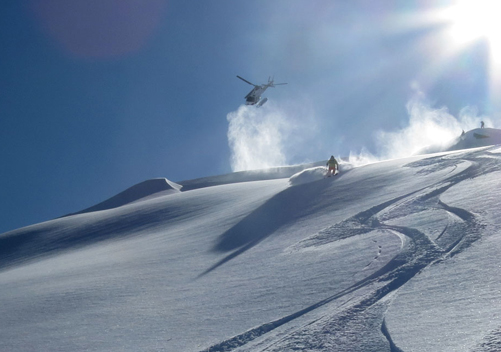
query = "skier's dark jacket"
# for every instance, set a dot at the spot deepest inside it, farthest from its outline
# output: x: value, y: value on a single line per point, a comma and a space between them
x: 332, y: 162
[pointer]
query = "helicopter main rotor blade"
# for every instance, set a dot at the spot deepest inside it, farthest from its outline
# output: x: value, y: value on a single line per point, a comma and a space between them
x: 246, y: 81
x: 279, y: 84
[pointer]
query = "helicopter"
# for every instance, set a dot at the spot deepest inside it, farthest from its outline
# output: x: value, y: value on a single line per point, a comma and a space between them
x: 254, y: 97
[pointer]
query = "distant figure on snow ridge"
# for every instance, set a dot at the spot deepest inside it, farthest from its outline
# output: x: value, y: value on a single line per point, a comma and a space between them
x: 481, y: 124
x: 333, y: 166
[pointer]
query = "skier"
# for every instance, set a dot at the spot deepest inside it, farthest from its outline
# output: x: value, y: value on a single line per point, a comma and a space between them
x: 481, y: 124
x: 333, y: 166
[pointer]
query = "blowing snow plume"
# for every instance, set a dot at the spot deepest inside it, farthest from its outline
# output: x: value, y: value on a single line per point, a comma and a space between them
x: 255, y: 137
x: 429, y: 130
x: 261, y: 138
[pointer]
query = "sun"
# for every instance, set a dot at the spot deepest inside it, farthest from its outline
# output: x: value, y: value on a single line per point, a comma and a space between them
x: 467, y: 22
x: 475, y: 19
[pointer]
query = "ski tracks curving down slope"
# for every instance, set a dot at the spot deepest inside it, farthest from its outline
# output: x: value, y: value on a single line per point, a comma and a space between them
x: 360, y: 310
x: 401, y: 255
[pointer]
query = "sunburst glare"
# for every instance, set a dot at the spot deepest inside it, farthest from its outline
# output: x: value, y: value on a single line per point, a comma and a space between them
x: 472, y: 20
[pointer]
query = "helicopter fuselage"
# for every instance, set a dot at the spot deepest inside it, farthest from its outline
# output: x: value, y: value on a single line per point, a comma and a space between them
x: 255, y: 95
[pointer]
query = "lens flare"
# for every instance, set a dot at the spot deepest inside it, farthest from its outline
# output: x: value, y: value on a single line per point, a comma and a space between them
x: 99, y: 28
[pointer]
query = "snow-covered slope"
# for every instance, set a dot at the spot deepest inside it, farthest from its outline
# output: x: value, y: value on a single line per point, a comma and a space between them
x: 479, y: 137
x: 247, y: 176
x: 145, y: 190
x: 399, y: 255
x: 476, y: 138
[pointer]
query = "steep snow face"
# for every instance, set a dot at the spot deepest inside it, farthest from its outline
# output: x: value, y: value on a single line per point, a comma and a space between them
x: 398, y: 255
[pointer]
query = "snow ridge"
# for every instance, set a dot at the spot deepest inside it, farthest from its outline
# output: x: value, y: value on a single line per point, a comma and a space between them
x: 142, y: 191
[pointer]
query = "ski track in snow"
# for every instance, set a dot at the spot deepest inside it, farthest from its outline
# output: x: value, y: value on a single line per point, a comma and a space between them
x: 335, y: 322
x: 491, y: 342
x: 419, y: 250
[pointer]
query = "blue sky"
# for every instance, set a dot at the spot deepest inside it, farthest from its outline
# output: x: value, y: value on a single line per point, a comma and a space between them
x: 97, y: 96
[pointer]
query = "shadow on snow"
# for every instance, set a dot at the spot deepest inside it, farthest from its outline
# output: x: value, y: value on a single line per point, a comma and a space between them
x: 278, y: 211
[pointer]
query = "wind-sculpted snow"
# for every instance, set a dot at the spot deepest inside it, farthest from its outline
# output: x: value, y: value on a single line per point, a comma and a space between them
x: 396, y: 256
